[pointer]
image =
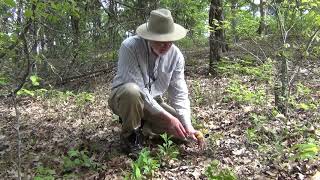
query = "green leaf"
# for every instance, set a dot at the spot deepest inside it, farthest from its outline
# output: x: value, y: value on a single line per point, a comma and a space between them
x: 67, y: 163
x: 73, y: 153
x: 50, y: 171
x: 10, y: 3
x: 25, y: 92
x: 137, y: 172
x: 3, y: 81
x: 28, y: 13
x: 35, y: 80
x: 303, y: 106
x: 77, y: 162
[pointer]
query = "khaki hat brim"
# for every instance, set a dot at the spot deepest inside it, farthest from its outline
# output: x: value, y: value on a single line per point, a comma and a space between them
x: 178, y: 33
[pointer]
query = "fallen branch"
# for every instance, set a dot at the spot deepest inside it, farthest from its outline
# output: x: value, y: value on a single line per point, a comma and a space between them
x: 88, y: 74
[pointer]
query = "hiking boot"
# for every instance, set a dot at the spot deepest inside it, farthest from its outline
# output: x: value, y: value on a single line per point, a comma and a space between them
x: 133, y: 144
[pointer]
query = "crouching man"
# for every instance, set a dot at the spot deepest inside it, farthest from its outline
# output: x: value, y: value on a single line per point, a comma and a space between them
x: 150, y: 65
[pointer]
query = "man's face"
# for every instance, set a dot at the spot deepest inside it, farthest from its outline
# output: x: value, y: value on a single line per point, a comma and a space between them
x: 160, y: 48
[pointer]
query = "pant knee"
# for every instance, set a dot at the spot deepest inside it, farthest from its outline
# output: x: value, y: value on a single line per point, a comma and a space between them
x: 131, y: 90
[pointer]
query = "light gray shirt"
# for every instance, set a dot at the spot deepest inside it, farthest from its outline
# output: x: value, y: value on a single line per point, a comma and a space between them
x: 165, y: 73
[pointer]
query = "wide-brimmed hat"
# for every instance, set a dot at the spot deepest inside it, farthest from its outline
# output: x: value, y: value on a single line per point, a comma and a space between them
x: 161, y: 27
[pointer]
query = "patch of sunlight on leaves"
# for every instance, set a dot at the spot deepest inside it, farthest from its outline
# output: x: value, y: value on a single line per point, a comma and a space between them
x: 215, y: 172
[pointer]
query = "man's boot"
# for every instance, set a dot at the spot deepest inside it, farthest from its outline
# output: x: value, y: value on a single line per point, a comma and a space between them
x: 133, y: 144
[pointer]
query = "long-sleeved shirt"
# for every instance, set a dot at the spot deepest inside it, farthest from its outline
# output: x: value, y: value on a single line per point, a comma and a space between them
x: 155, y: 75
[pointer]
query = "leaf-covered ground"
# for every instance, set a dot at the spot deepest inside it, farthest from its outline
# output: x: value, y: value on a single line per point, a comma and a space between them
x: 249, y: 138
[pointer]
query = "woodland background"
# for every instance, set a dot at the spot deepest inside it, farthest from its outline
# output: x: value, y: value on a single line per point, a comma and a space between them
x: 252, y: 68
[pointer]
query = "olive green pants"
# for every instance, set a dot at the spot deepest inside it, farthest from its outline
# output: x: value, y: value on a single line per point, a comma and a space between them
x: 127, y: 102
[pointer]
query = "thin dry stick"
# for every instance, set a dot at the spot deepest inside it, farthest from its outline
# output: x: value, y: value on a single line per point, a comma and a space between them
x: 14, y: 101
x: 264, y: 54
x: 257, y: 57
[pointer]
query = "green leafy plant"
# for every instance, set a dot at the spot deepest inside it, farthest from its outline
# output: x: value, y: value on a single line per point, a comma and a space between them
x: 197, y: 92
x: 44, y: 173
x: 35, y: 80
x: 247, y: 66
x: 77, y: 159
x: 247, y: 24
x: 244, y: 95
x: 58, y: 96
x: 25, y: 92
x: 168, y: 150
x: 308, y: 150
x: 3, y: 80
x: 251, y: 134
x: 302, y: 99
x: 258, y: 120
x: 215, y: 172
x: 143, y: 167
x: 84, y: 97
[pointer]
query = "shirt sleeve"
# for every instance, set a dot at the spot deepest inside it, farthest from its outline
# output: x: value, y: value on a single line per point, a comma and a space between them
x: 178, y: 94
x: 129, y: 70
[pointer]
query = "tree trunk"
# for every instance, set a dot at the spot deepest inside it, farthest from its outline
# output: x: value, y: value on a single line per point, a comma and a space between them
x: 281, y: 86
x: 234, y: 5
x: 112, y: 29
x: 262, y: 27
x: 96, y: 20
x: 217, y: 34
x: 75, y: 24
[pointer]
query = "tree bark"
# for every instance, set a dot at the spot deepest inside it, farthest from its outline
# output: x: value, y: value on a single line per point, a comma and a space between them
x: 217, y: 34
x: 75, y: 24
x: 234, y: 5
x: 282, y: 86
x: 262, y: 27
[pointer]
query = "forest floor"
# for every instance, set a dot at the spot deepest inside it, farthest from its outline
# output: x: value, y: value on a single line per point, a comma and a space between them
x: 243, y: 131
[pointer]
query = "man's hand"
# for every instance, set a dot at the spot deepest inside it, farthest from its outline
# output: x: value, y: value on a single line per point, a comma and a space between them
x: 196, y: 136
x: 174, y: 126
